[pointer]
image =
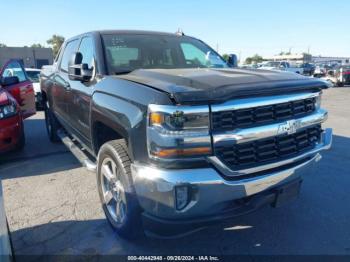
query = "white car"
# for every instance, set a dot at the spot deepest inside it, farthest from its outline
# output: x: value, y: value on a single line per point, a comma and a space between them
x: 34, y: 76
x: 282, y: 66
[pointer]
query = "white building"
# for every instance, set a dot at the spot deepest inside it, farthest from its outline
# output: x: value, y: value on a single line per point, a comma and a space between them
x: 298, y: 58
x: 304, y: 58
x: 331, y: 59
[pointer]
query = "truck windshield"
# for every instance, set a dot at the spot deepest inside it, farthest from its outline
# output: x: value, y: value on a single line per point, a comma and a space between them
x: 125, y: 53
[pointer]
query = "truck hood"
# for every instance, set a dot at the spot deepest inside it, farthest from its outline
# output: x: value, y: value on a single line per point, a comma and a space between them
x: 215, y: 85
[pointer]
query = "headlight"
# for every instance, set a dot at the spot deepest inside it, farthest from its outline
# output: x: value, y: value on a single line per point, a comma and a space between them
x: 8, y: 110
x: 177, y: 132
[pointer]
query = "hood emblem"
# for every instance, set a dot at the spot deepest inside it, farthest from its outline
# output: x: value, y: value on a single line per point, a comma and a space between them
x: 289, y: 127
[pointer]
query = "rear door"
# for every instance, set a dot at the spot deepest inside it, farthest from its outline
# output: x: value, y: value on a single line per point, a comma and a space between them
x: 23, y: 91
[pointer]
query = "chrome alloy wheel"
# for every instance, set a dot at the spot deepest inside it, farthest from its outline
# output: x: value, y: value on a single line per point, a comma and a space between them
x: 113, y: 190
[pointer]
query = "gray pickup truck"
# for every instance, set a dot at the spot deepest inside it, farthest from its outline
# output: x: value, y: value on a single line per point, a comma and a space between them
x: 178, y: 137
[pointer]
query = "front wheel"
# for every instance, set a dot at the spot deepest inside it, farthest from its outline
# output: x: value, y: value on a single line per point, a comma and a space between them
x: 116, y: 189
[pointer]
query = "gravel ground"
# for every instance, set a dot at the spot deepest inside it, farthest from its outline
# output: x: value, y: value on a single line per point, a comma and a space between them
x: 53, y: 207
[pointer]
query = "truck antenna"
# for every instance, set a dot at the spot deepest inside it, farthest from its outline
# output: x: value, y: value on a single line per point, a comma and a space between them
x: 179, y: 32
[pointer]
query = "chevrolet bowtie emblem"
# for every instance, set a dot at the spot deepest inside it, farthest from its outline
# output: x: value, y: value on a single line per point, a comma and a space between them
x: 289, y: 127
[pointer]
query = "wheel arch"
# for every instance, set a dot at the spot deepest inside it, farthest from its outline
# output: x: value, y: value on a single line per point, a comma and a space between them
x: 104, y: 131
x: 113, y: 118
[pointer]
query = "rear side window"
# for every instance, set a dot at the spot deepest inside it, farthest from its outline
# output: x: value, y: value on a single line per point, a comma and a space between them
x: 69, y: 49
x: 14, y: 68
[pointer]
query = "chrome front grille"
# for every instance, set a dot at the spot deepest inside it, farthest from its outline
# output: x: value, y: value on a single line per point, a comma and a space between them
x: 269, y: 149
x: 254, y: 133
x: 262, y: 115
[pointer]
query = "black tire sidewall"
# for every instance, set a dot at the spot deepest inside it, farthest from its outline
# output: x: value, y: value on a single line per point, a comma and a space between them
x: 51, y: 120
x: 48, y: 122
x: 132, y: 218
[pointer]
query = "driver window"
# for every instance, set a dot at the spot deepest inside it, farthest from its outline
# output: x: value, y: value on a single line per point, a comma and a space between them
x: 86, y: 48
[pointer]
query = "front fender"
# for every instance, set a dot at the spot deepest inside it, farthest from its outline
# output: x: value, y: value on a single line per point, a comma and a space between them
x: 124, y: 117
x: 122, y: 105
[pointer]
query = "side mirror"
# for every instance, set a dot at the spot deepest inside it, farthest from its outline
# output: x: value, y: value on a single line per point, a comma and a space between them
x: 78, y: 71
x: 9, y: 81
x: 232, y: 60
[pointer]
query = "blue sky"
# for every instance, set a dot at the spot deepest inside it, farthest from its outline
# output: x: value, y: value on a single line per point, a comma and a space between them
x: 265, y: 27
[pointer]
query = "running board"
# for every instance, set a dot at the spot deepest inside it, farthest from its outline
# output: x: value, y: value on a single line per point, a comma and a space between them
x: 76, y: 151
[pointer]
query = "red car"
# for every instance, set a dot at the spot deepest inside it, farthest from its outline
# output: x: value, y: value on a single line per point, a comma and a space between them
x: 17, y: 102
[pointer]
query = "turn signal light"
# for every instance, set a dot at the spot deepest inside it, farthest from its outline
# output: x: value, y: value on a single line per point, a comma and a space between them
x: 156, y: 118
x: 165, y: 153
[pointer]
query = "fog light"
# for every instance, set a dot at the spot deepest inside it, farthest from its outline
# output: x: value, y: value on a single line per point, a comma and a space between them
x: 182, y: 197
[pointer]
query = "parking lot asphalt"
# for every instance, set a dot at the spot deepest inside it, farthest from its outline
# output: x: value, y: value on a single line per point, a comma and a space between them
x: 52, y: 205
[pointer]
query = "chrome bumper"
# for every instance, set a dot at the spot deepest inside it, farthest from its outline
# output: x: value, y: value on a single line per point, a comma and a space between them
x: 210, y: 192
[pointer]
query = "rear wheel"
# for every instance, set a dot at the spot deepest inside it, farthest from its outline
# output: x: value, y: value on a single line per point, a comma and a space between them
x: 116, y: 189
x: 52, y: 124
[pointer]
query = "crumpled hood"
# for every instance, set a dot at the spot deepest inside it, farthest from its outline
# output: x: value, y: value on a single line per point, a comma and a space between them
x: 214, y: 85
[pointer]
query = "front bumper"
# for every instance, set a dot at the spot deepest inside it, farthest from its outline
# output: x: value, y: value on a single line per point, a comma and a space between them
x: 211, y: 192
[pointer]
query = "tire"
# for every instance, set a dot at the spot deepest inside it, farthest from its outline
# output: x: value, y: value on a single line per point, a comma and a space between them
x: 340, y: 84
x: 52, y: 125
x: 116, y: 190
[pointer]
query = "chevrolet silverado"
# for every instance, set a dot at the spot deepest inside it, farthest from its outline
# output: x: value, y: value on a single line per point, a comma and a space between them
x: 178, y: 137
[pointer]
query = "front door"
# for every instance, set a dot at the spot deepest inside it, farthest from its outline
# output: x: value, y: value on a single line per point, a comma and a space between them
x: 81, y: 92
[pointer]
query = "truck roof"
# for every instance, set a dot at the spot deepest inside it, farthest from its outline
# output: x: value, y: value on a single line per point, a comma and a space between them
x: 121, y: 31
x: 144, y: 32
